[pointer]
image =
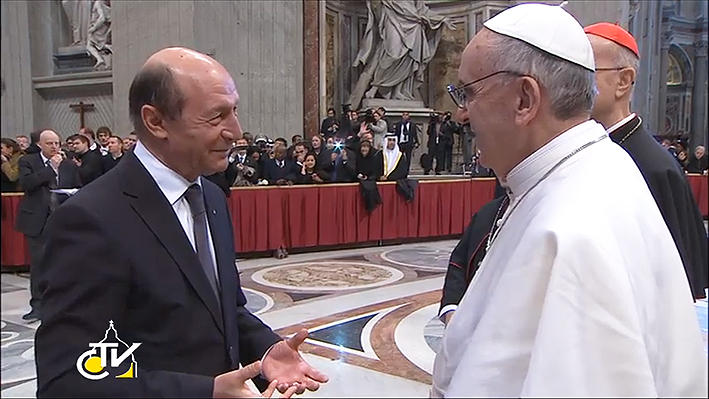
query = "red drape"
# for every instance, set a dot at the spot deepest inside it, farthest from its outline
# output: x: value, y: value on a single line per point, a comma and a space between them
x: 15, y: 251
x: 700, y: 188
x: 265, y: 218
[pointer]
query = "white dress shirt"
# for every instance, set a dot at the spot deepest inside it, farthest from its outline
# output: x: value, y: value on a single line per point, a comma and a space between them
x: 173, y: 187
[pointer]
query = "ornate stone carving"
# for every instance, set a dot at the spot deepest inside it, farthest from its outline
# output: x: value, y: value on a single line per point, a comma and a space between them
x: 99, y: 34
x: 400, y: 39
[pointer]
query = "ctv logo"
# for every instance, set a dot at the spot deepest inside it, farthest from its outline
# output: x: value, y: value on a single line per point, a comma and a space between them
x: 92, y: 364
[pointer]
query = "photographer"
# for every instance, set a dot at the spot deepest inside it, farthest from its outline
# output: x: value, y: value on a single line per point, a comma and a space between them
x: 329, y: 125
x: 244, y: 165
x: 434, y: 144
x: 345, y: 162
x: 376, y: 125
x: 448, y: 131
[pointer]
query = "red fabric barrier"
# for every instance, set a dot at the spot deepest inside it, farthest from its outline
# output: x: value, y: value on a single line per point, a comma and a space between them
x: 266, y: 218
x: 14, y: 249
x: 700, y: 188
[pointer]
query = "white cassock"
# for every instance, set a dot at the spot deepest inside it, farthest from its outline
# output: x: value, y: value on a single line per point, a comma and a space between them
x: 582, y: 293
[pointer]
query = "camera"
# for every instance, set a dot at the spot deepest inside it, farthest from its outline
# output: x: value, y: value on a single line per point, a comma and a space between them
x: 369, y: 117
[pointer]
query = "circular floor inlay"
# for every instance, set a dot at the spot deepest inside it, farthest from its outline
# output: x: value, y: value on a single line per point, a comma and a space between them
x: 433, y: 259
x: 327, y: 276
x: 257, y: 302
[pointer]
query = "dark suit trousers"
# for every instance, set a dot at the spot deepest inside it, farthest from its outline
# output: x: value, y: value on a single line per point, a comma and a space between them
x: 36, y: 245
x: 444, y: 159
x: 407, y: 148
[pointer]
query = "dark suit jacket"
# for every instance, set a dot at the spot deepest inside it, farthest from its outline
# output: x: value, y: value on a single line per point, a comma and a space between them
x: 107, y: 162
x: 409, y: 131
x: 35, y: 179
x: 273, y: 173
x: 134, y: 265
x: 91, y: 166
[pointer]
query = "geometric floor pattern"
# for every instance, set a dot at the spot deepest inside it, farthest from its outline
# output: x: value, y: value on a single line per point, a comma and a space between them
x: 370, y: 312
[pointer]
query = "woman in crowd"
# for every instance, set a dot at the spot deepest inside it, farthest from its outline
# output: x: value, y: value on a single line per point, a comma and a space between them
x: 309, y: 173
x: 368, y: 162
x: 324, y: 159
x: 11, y: 154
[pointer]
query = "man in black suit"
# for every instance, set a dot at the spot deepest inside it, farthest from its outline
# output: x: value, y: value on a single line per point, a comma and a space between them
x: 115, y: 154
x: 279, y: 170
x: 149, y: 248
x: 40, y: 172
x: 407, y: 135
x: 88, y: 161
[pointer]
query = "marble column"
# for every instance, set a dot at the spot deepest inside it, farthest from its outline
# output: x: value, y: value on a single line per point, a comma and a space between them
x: 311, y: 66
x: 662, y: 82
x: 699, y: 95
x: 16, y: 87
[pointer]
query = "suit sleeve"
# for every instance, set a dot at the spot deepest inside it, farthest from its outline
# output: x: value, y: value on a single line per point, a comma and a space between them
x: 31, y: 180
x: 86, y: 282
x: 456, y: 280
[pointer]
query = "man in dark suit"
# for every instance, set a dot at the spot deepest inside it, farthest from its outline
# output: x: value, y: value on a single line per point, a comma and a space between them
x: 115, y: 154
x: 279, y: 170
x: 88, y: 161
x: 407, y: 134
x: 160, y: 265
x: 39, y: 173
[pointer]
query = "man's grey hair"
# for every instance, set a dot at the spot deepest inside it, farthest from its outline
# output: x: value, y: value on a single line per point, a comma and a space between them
x: 570, y: 87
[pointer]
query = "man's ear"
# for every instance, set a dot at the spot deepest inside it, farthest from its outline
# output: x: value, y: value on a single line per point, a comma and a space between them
x: 153, y: 121
x: 626, y: 80
x: 529, y: 98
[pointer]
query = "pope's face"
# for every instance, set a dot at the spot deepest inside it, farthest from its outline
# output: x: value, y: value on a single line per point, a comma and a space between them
x: 489, y: 105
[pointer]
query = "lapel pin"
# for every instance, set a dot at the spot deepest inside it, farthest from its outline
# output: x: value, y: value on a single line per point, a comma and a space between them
x: 214, y: 211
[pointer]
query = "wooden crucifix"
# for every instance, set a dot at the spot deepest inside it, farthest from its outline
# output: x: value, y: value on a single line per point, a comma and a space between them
x: 82, y: 109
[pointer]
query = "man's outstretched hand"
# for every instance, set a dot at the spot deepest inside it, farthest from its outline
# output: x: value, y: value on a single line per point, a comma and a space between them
x: 284, y: 363
x: 233, y: 384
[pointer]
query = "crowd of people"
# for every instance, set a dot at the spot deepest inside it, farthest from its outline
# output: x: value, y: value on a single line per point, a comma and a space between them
x: 91, y: 154
x: 691, y: 161
x: 361, y: 149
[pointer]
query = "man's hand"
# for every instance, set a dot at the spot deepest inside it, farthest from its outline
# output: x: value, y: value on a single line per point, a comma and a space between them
x: 233, y: 384
x: 56, y: 159
x: 284, y: 363
x: 4, y: 158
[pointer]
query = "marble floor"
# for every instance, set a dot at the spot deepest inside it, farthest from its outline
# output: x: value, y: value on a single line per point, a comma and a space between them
x: 370, y: 312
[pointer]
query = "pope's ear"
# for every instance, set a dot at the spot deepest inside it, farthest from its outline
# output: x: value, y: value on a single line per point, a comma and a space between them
x: 528, y: 100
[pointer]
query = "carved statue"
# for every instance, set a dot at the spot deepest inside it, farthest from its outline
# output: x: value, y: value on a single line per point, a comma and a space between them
x: 400, y: 39
x: 99, y: 34
x: 77, y: 12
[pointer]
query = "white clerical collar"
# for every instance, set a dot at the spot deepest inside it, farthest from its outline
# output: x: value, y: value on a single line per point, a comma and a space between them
x: 523, y: 176
x: 171, y: 183
x: 621, y: 123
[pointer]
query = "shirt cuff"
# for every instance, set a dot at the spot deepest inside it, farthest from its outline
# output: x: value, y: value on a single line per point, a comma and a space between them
x: 446, y: 309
